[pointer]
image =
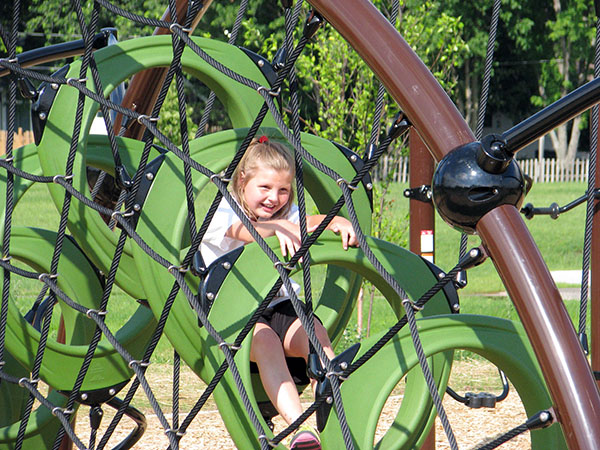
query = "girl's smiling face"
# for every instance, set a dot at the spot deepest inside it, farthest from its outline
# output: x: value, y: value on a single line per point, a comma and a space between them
x: 267, y: 191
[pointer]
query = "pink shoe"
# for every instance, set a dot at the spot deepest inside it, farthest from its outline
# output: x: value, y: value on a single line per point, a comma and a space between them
x: 306, y: 439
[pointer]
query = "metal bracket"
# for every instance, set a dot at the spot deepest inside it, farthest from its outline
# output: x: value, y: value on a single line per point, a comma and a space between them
x: 145, y: 185
x: 213, y: 278
x: 40, y: 108
x: 357, y: 164
x: 421, y: 193
x: 449, y: 289
x: 263, y: 64
x: 98, y: 396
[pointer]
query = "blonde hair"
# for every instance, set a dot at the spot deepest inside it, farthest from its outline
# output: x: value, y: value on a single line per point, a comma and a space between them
x: 260, y: 155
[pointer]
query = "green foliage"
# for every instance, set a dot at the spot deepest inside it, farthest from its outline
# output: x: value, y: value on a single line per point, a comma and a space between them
x: 344, y: 88
x: 170, y: 119
x: 57, y: 17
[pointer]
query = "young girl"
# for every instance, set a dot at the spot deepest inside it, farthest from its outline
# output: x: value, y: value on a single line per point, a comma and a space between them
x: 263, y: 186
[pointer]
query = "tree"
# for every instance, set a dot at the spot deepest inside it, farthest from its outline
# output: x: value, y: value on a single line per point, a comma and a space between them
x: 571, y: 33
x: 543, y: 51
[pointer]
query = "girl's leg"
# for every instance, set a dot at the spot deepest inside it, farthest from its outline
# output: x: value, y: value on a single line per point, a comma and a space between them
x: 295, y: 342
x: 267, y: 352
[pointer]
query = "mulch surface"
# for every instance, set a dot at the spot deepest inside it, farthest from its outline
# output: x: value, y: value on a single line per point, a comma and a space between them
x: 471, y: 427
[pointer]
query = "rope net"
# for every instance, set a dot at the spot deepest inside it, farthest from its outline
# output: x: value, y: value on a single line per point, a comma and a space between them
x: 121, y: 206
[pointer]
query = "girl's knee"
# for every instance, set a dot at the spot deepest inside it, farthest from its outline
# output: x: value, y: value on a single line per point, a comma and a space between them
x: 264, y: 339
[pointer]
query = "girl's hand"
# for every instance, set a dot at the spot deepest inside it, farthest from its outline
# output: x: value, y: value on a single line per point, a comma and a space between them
x: 288, y: 234
x: 343, y: 227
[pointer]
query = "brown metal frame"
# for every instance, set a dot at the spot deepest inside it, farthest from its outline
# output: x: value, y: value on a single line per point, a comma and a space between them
x: 422, y: 215
x: 503, y: 232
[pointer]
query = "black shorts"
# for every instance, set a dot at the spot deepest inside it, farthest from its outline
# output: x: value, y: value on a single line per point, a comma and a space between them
x: 280, y: 318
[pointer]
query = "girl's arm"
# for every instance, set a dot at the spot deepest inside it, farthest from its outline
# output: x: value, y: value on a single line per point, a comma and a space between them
x: 339, y: 225
x: 287, y: 232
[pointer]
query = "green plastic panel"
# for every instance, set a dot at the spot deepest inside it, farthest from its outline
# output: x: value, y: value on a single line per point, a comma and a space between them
x: 34, y: 247
x: 116, y: 63
x: 502, y: 342
x: 164, y: 216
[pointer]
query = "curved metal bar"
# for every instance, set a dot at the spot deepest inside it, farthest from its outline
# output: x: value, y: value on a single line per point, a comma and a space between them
x: 503, y: 232
x: 540, y: 307
x: 63, y: 50
x: 140, y: 424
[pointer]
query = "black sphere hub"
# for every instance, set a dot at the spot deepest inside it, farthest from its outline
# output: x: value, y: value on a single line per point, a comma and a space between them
x: 471, y: 181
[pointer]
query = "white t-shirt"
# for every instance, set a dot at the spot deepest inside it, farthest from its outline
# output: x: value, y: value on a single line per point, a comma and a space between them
x: 216, y: 244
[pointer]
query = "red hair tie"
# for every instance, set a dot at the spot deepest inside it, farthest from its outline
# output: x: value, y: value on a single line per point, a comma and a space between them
x: 263, y: 139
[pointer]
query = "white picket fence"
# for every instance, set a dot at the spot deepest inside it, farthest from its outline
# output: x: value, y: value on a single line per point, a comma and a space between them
x: 541, y: 171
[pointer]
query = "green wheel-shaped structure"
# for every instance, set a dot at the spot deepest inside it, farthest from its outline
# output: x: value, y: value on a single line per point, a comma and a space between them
x: 115, y: 64
x: 78, y: 280
x: 252, y: 267
x: 502, y: 342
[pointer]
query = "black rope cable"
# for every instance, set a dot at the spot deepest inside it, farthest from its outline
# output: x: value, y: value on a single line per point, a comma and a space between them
x: 158, y: 412
x: 147, y: 354
x: 487, y: 75
x: 290, y: 26
x: 62, y: 414
x: 59, y: 242
x: 7, y: 163
x: 237, y: 343
x: 511, y: 434
x: 226, y: 348
x: 381, y: 91
x: 589, y: 212
x: 10, y: 41
x: 202, y: 126
x: 282, y: 274
x: 135, y: 17
x: 101, y: 311
x: 409, y: 309
x: 179, y: 82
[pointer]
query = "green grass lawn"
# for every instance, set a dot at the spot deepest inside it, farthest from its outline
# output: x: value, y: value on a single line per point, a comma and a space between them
x: 560, y: 242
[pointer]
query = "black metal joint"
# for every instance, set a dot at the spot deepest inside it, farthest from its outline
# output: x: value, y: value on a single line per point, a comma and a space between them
x: 493, y: 155
x: 287, y: 3
x: 27, y: 89
x: 314, y: 21
x: 198, y: 267
x: 464, y: 191
x: 122, y: 178
x: 420, y: 193
x: 399, y: 126
x: 583, y: 340
x: 480, y: 400
x: 279, y: 59
x: 472, y: 258
x: 314, y: 368
x: 461, y: 280
x: 542, y: 419
x: 96, y: 414
x: 212, y: 277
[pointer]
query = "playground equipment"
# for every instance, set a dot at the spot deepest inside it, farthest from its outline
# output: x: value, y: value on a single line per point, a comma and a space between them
x: 150, y: 253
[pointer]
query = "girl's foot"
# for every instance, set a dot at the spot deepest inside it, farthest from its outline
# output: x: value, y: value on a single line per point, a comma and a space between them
x: 306, y: 438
